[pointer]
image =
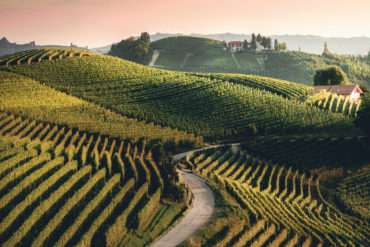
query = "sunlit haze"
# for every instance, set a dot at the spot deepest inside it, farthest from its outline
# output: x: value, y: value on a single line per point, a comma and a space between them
x: 101, y: 22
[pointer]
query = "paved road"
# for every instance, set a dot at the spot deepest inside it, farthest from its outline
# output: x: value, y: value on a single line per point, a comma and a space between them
x: 200, y: 213
x: 183, y: 155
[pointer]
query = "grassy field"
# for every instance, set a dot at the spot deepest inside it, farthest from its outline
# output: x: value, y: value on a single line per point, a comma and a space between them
x: 200, y: 52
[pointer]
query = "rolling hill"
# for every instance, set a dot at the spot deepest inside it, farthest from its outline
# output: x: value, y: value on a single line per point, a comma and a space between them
x: 270, y: 204
x: 85, y: 141
x: 205, y: 55
x: 199, y: 104
x: 65, y: 187
x: 306, y: 43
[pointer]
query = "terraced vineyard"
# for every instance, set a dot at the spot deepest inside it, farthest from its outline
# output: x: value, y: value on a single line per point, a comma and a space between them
x: 42, y: 54
x: 26, y: 97
x: 312, y: 153
x: 284, y: 88
x: 353, y: 193
x: 334, y: 103
x: 285, y: 207
x: 212, y: 108
x: 64, y: 187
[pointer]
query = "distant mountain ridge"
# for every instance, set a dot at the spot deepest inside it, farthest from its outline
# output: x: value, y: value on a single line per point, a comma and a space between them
x: 307, y: 43
x: 8, y: 48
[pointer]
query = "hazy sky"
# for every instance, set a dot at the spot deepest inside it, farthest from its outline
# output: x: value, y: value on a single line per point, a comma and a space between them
x: 101, y: 22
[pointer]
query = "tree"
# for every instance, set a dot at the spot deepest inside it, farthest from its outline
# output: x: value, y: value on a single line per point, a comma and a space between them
x: 264, y: 42
x: 269, y: 43
x: 259, y: 38
x: 253, y: 42
x: 245, y: 44
x: 330, y: 76
x: 326, y: 50
x: 131, y: 49
x: 283, y: 46
x: 363, y: 115
x: 276, y: 45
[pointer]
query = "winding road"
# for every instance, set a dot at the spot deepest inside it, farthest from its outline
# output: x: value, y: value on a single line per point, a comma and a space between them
x: 201, y: 211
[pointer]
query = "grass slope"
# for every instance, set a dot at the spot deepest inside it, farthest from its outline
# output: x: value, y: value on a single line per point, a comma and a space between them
x: 200, y: 51
x: 212, y: 108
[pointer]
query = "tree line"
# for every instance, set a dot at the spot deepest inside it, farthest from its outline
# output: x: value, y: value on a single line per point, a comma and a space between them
x: 132, y: 49
x: 265, y: 42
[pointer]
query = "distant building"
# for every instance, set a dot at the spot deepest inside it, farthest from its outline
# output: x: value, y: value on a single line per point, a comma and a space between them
x: 352, y: 91
x: 235, y: 45
x: 260, y: 47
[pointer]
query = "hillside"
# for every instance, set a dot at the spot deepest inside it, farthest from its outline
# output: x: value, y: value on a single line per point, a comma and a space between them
x: 198, y: 104
x: 206, y: 55
x: 64, y: 187
x: 269, y: 204
x: 8, y: 48
x: 86, y: 142
x: 181, y: 52
x: 306, y: 43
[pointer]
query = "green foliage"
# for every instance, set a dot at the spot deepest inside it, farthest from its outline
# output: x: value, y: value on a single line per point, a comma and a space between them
x: 353, y: 193
x: 60, y: 195
x: 363, y: 115
x: 115, y: 233
x: 294, y: 66
x: 131, y: 49
x: 145, y: 214
x: 308, y: 153
x: 21, y: 95
x: 273, y: 196
x: 330, y: 76
x: 253, y: 43
x: 204, y: 106
x: 334, y: 103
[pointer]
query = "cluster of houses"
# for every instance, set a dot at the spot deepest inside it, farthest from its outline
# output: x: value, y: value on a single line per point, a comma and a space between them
x: 239, y: 46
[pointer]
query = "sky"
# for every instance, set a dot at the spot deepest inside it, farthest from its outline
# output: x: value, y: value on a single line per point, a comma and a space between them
x: 96, y: 23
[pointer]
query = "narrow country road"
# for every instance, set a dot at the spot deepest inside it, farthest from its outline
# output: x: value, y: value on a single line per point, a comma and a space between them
x: 200, y: 213
x: 154, y: 58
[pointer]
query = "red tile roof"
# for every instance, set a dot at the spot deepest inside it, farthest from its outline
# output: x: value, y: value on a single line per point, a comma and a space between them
x: 338, y: 89
x: 235, y: 42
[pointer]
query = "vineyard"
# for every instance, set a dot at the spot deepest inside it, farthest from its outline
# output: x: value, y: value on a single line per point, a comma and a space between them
x: 284, y: 207
x: 208, y: 56
x: 64, y: 187
x: 207, y: 107
x: 42, y: 54
x: 311, y: 153
x: 284, y: 88
x: 353, y: 193
x: 23, y: 96
x: 334, y: 103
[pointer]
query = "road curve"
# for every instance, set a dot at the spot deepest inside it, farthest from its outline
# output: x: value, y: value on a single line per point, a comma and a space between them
x: 200, y: 213
x: 183, y: 155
